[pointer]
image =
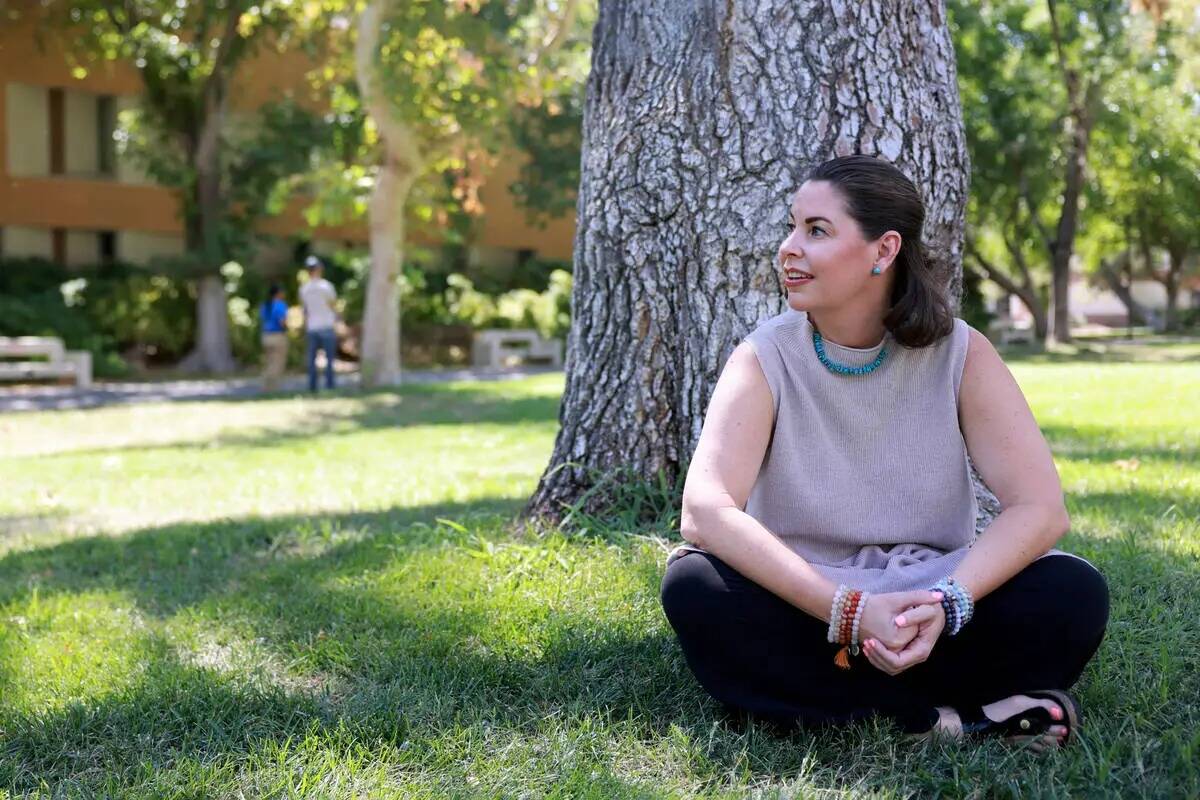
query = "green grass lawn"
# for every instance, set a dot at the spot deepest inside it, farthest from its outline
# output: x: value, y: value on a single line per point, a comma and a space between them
x: 327, y: 598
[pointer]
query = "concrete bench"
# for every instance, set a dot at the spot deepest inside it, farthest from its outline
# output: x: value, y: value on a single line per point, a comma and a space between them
x: 497, y: 348
x: 43, y: 358
x: 1006, y: 331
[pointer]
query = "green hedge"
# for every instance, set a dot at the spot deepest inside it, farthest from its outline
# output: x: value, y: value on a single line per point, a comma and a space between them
x: 117, y: 309
x: 105, y: 309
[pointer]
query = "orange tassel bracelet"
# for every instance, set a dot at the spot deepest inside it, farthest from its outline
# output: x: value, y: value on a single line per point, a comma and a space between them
x: 844, y: 619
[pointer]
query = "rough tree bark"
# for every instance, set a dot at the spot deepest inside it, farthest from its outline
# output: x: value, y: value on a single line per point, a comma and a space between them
x: 399, y: 167
x: 702, y: 118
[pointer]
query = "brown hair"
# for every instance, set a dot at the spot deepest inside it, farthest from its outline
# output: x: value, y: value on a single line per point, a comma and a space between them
x: 881, y: 198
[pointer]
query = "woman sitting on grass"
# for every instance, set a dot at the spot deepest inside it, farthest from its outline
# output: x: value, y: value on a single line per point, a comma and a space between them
x: 832, y: 571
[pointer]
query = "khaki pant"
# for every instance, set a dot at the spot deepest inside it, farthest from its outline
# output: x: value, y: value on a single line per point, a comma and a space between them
x: 275, y: 348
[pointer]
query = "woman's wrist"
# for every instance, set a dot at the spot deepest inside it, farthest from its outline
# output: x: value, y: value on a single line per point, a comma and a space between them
x: 957, y: 604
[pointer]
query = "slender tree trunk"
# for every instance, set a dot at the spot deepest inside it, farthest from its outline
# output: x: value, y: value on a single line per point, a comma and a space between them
x: 401, y: 165
x: 1068, y: 223
x: 213, y: 351
x: 702, y: 118
x: 1082, y: 97
x: 1112, y: 272
x: 380, y: 353
x: 1041, y: 320
x: 1171, y: 284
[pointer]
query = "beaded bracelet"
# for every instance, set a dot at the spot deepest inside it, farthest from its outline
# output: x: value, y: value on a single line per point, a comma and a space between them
x: 835, y: 614
x: 956, y: 602
x: 857, y: 624
x: 966, y: 604
x: 845, y: 622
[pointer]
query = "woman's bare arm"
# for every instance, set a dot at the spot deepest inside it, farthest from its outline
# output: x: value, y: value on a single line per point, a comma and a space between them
x: 1015, y: 462
x: 737, y: 431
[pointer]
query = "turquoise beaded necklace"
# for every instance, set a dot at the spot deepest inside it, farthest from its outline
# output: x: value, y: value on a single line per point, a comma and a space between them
x: 843, y: 369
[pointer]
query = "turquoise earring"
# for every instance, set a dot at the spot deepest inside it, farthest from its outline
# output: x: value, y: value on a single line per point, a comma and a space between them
x: 876, y: 270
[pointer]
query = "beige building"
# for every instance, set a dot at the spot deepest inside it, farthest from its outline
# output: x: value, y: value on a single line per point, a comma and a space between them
x: 67, y: 196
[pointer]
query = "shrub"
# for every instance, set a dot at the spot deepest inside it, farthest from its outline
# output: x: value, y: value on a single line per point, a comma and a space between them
x: 152, y: 314
x: 40, y: 298
x: 548, y: 311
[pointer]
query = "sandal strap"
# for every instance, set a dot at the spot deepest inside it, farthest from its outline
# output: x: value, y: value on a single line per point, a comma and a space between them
x: 1030, y: 722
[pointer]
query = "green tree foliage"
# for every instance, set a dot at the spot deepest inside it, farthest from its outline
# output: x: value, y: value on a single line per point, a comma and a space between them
x: 1147, y: 188
x: 1008, y: 94
x: 470, y: 81
x: 550, y: 136
x: 1096, y: 96
x: 441, y: 82
x: 186, y: 55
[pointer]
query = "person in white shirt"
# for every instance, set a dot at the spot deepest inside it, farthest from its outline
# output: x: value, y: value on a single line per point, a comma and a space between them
x: 318, y: 296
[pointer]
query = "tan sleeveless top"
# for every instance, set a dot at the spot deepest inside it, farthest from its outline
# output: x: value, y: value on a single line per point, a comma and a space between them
x: 866, y: 476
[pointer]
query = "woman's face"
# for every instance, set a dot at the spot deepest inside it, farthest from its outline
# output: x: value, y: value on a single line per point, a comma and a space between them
x: 825, y: 262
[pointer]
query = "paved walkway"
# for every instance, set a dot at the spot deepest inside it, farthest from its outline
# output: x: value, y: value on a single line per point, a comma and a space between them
x: 49, y: 398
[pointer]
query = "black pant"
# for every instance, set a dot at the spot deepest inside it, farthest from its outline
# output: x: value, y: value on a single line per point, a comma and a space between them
x: 761, y: 656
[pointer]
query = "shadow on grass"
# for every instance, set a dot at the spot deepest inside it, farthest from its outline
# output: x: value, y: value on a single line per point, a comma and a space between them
x: 178, y: 565
x: 419, y: 667
x: 13, y: 525
x: 1112, y: 351
x: 379, y: 409
x: 1109, y: 443
x: 387, y: 667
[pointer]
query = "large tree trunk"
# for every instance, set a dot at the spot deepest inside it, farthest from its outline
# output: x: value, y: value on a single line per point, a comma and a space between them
x: 401, y: 164
x: 702, y: 117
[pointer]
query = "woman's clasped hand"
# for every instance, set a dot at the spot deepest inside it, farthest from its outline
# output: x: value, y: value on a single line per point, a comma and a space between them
x: 899, y: 629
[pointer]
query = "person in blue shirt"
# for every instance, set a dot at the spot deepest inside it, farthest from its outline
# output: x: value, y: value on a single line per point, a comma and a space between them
x: 274, y: 337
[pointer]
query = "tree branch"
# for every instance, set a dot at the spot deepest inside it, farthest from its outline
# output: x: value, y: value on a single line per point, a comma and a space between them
x: 110, y: 12
x: 1069, y: 77
x: 1019, y: 259
x: 1031, y: 208
x: 228, y: 40
x: 565, y: 22
x: 1110, y: 271
x: 399, y: 142
x: 991, y: 272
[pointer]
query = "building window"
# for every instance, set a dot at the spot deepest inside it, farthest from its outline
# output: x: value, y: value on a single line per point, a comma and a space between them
x: 108, y: 247
x: 106, y: 125
x: 58, y: 148
x: 58, y: 246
